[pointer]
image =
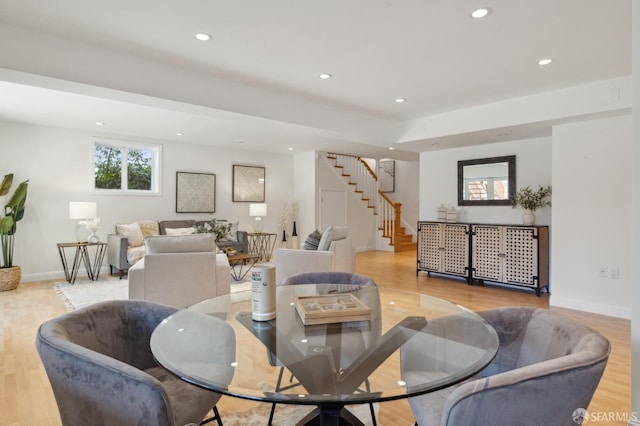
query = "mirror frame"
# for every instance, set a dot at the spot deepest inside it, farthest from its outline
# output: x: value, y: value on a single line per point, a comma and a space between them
x: 509, y: 159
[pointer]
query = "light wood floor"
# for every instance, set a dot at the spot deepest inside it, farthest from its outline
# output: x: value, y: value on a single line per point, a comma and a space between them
x: 26, y: 397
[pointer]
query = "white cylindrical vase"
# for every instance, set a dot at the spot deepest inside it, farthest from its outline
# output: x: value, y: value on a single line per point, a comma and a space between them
x: 263, y: 293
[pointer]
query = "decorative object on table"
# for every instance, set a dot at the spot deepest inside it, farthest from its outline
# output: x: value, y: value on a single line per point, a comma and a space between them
x: 284, y: 220
x: 263, y: 293
x: 452, y: 215
x: 13, y: 211
x: 195, y: 192
x: 86, y: 211
x: 294, y: 232
x: 387, y: 175
x: 214, y: 226
x: 258, y: 211
x: 441, y: 213
x: 229, y: 251
x: 531, y: 200
x: 327, y: 309
x: 248, y: 184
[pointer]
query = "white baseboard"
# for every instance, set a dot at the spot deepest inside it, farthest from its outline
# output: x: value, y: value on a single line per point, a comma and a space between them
x: 54, y: 275
x: 588, y: 306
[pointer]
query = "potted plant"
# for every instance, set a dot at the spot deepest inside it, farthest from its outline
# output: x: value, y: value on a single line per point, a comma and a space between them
x: 13, y: 211
x: 214, y: 226
x: 531, y: 200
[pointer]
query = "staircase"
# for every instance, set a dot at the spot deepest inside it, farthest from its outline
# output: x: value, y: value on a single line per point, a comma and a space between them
x: 363, y: 180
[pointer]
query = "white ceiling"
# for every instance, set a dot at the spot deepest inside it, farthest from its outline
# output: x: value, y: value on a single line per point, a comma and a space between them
x: 427, y: 51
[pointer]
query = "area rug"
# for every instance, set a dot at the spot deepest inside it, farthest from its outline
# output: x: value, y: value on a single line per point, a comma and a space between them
x: 285, y: 415
x: 87, y: 292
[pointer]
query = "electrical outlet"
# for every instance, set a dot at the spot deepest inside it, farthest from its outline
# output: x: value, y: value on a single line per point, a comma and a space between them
x: 615, y: 273
x: 603, y: 272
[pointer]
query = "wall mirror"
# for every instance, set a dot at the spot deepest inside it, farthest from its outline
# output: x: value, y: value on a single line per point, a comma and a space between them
x: 487, y: 181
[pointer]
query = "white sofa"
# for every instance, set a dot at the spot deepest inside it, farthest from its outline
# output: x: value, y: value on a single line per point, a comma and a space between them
x: 335, y: 253
x: 180, y: 271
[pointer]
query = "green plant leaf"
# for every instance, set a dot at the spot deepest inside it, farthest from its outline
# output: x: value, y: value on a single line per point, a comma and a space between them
x: 6, y: 184
x: 6, y: 224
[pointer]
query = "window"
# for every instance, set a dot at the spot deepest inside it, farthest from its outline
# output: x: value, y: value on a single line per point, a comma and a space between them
x: 126, y: 167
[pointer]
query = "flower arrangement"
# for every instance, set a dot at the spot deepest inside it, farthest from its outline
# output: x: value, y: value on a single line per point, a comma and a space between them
x: 532, y: 200
x: 214, y: 226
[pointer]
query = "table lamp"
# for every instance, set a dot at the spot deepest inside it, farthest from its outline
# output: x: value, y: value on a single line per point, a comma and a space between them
x: 86, y: 228
x: 257, y: 211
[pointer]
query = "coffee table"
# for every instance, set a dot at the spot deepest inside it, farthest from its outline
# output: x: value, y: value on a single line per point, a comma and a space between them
x: 330, y: 361
x: 241, y: 264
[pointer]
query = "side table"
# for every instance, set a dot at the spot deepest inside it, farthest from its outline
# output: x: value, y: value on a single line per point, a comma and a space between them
x: 82, y: 255
x: 239, y: 262
x: 261, y: 244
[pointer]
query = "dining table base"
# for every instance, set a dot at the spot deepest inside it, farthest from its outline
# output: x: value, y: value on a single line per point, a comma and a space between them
x: 330, y: 415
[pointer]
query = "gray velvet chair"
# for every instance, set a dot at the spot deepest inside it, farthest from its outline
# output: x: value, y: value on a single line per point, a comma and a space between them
x: 356, y: 341
x: 547, y: 366
x: 102, y: 371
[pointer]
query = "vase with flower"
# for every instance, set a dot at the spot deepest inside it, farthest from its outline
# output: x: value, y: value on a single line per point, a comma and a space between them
x: 531, y: 200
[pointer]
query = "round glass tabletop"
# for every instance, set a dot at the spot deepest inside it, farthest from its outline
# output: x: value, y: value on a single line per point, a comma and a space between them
x: 359, y: 345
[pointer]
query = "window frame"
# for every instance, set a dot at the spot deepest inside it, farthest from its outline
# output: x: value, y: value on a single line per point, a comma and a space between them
x: 125, y: 146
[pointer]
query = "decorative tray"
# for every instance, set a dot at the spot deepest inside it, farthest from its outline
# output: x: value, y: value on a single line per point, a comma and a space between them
x: 331, y: 308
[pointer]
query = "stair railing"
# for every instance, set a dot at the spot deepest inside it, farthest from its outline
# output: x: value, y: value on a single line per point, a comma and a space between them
x: 365, y: 182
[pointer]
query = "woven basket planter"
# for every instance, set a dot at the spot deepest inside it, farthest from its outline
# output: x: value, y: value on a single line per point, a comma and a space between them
x: 10, y: 278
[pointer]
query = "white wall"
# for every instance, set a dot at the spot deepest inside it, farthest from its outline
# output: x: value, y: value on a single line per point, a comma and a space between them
x: 304, y: 190
x: 592, y: 215
x: 635, y: 231
x: 58, y: 165
x: 362, y: 223
x: 407, y: 192
x: 439, y: 179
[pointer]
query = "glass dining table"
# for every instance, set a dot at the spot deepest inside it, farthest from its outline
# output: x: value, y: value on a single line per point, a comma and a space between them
x: 337, y: 361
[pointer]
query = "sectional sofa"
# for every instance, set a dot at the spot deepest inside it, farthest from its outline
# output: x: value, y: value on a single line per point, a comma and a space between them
x: 127, y: 245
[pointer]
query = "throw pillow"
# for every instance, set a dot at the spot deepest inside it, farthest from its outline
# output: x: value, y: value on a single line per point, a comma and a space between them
x: 180, y: 231
x: 149, y: 227
x: 232, y: 234
x: 312, y: 241
x: 132, y: 232
x: 332, y: 233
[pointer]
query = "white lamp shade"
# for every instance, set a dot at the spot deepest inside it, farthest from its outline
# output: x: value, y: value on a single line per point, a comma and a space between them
x: 82, y: 210
x: 257, y: 210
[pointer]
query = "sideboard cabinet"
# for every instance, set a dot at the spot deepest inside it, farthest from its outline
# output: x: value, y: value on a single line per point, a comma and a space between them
x: 443, y: 248
x: 507, y: 254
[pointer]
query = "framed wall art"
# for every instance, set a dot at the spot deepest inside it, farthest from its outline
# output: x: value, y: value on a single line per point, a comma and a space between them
x: 387, y: 175
x: 195, y: 192
x: 248, y: 184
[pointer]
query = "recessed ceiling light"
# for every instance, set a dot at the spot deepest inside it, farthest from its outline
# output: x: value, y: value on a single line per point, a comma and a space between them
x: 480, y: 13
x: 391, y: 148
x: 400, y: 100
x: 203, y: 36
x: 290, y: 149
x: 179, y: 134
x: 325, y: 76
x: 545, y: 61
x: 99, y: 123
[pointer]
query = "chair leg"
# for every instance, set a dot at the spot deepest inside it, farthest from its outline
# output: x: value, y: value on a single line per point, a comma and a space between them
x: 273, y: 411
x: 216, y: 417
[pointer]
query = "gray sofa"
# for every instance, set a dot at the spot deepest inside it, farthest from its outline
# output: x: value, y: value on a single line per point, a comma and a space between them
x: 126, y: 246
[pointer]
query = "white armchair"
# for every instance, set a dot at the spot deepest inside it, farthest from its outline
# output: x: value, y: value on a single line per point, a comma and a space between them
x: 335, y: 254
x: 180, y: 271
